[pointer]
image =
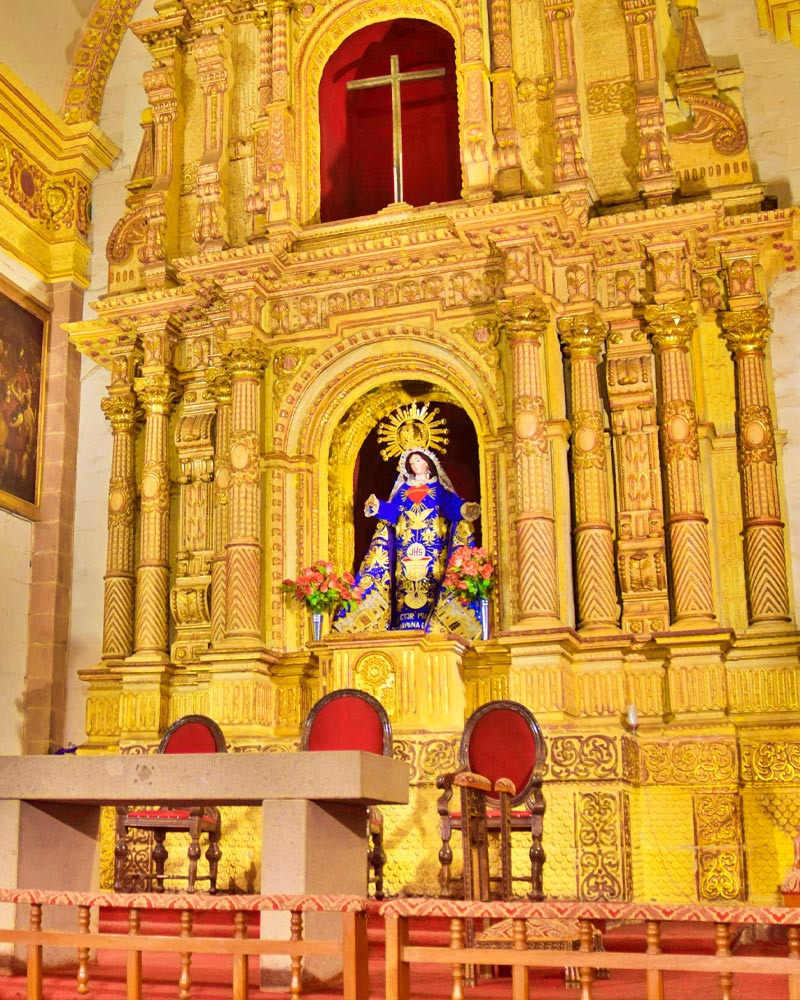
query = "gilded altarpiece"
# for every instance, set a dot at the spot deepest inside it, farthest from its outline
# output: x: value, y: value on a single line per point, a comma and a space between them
x: 596, y: 305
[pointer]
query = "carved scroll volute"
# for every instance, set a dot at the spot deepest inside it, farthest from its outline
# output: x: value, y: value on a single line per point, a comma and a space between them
x: 582, y: 338
x: 746, y: 333
x: 524, y: 322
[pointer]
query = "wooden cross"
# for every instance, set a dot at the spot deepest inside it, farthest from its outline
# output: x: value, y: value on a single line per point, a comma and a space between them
x: 393, y: 80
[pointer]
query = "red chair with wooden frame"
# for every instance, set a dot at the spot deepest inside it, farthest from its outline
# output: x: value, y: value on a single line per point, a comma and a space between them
x: 501, y: 757
x: 192, y: 734
x: 349, y: 719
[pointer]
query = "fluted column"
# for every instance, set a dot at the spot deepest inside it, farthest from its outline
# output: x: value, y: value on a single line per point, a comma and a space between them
x: 222, y: 479
x: 119, y: 581
x: 582, y: 338
x: 151, y: 634
x: 537, y: 577
x: 245, y: 362
x: 746, y: 333
x: 671, y: 328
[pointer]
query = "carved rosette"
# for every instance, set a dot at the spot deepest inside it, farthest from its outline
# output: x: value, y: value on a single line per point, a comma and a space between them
x: 746, y: 332
x: 582, y: 338
x: 119, y: 584
x: 525, y: 322
x: 671, y: 327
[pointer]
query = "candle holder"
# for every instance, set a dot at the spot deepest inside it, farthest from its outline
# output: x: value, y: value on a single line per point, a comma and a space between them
x: 632, y: 719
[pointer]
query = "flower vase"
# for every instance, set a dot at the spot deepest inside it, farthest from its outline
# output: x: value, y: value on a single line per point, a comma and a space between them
x: 316, y: 625
x: 483, y: 611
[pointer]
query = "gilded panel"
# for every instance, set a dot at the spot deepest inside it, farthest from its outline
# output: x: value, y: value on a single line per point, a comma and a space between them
x: 771, y: 761
x: 583, y: 758
x: 719, y: 840
x: 602, y: 825
x: 689, y: 762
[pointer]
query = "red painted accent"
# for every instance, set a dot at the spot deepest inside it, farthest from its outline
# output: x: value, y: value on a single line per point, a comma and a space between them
x: 418, y: 493
x: 356, y: 176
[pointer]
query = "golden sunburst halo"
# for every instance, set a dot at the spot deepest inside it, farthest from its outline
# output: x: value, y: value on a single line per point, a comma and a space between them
x: 412, y: 426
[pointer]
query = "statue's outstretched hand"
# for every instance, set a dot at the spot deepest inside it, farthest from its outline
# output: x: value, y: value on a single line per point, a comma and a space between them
x: 471, y: 511
x: 371, y: 506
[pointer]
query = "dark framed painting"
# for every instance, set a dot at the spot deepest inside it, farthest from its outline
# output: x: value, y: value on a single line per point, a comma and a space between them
x: 24, y: 328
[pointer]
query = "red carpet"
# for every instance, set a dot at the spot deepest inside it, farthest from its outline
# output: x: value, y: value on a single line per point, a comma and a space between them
x: 211, y: 976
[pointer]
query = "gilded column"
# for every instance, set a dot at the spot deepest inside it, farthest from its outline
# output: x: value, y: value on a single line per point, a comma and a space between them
x: 245, y: 362
x: 656, y: 180
x: 537, y: 581
x: 570, y: 165
x: 151, y: 638
x: 671, y: 327
x: 477, y: 121
x: 509, y: 167
x: 210, y: 50
x: 582, y: 338
x: 746, y: 333
x: 121, y: 410
x: 222, y: 480
x: 281, y: 174
x: 256, y: 200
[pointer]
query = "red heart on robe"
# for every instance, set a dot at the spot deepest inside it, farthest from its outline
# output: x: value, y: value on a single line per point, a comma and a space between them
x: 418, y: 493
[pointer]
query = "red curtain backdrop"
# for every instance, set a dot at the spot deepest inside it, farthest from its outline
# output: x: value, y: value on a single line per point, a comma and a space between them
x: 356, y: 175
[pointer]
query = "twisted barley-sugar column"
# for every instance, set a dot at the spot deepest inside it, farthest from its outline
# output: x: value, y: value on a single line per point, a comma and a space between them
x: 671, y: 327
x: 221, y: 386
x: 245, y: 363
x: 745, y: 332
x: 119, y: 582
x: 156, y: 393
x: 537, y: 577
x: 582, y: 337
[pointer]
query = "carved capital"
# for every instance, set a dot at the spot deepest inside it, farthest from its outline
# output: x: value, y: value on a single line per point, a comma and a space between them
x: 121, y: 411
x: 156, y: 393
x: 671, y: 325
x: 245, y: 357
x: 582, y: 336
x: 746, y: 331
x: 525, y: 318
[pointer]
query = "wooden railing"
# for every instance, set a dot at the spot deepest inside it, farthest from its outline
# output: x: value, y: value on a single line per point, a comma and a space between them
x: 351, y: 948
x: 400, y: 955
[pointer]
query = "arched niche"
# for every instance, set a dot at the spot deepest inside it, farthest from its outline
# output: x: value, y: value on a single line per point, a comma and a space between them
x: 316, y: 51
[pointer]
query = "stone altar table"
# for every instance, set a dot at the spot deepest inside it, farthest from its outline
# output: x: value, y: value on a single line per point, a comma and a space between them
x: 314, y: 837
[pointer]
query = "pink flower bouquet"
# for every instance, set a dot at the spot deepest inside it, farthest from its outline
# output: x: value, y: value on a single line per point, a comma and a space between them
x: 323, y: 589
x: 470, y: 574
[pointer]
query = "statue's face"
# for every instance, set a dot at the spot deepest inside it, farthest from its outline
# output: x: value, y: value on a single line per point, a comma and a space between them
x: 419, y: 464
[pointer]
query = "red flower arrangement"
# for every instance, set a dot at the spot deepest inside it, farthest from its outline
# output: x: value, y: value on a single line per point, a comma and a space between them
x: 470, y: 574
x: 323, y: 589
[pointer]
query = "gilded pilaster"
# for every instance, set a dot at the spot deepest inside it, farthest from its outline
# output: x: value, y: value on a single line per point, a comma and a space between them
x: 244, y: 363
x: 211, y: 54
x: 476, y: 129
x: 746, y: 333
x: 151, y: 635
x: 163, y: 84
x: 537, y: 577
x: 641, y: 548
x: 656, y: 181
x: 582, y: 337
x: 506, y: 138
x: 280, y: 182
x: 671, y: 327
x: 121, y: 410
x: 570, y: 165
x: 221, y: 386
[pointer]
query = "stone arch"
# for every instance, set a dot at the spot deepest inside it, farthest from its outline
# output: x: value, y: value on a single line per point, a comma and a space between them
x: 311, y: 60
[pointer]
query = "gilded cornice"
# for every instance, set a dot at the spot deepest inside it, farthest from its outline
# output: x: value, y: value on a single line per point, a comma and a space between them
x: 47, y: 169
x: 781, y: 17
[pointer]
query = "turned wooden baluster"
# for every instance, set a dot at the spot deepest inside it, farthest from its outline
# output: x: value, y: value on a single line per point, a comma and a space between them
x: 654, y: 977
x: 723, y: 942
x: 586, y: 934
x: 34, y: 956
x: 134, y: 960
x: 296, y: 985
x: 457, y: 941
x: 520, y: 974
x: 83, y: 953
x: 185, y: 980
x: 240, y: 961
x: 794, y: 952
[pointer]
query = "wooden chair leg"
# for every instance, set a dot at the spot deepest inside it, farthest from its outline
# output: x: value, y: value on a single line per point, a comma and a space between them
x: 378, y: 860
x: 194, y: 854
x: 213, y: 854
x: 160, y: 856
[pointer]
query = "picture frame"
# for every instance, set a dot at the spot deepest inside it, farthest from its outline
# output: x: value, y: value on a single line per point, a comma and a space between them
x: 24, y: 335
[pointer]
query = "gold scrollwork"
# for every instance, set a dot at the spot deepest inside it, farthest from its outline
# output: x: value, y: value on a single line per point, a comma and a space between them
x: 600, y: 839
x: 689, y: 762
x: 581, y: 758
x: 771, y: 762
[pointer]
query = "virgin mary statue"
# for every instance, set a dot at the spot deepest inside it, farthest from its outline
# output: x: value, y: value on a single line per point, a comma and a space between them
x: 401, y: 574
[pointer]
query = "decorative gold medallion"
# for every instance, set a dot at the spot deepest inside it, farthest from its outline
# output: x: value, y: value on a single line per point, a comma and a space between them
x: 412, y: 426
